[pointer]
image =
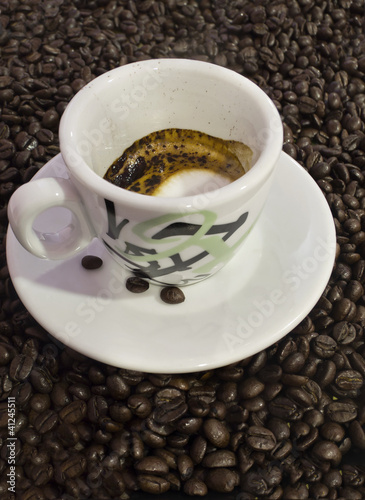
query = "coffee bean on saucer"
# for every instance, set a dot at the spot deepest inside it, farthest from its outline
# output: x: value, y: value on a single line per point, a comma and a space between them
x: 91, y: 262
x: 172, y: 295
x: 137, y: 285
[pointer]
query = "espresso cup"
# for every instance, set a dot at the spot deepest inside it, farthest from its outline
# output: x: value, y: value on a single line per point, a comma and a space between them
x: 168, y: 240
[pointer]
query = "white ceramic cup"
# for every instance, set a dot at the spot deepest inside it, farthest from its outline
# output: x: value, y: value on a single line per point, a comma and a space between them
x: 168, y: 240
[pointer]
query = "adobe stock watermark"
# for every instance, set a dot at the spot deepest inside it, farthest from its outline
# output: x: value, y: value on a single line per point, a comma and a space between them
x: 210, y: 191
x: 11, y: 445
x: 291, y: 280
x: 120, y: 108
x: 87, y: 310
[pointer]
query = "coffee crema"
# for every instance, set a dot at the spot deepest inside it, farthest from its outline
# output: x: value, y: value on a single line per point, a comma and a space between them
x: 179, y: 162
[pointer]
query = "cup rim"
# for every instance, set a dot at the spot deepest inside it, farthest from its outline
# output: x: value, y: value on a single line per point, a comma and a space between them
x: 255, y: 177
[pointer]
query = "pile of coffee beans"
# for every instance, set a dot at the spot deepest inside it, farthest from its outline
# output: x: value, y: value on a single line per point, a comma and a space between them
x: 287, y: 423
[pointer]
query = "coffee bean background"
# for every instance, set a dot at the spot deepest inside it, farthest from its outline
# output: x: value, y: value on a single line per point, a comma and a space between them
x: 287, y: 423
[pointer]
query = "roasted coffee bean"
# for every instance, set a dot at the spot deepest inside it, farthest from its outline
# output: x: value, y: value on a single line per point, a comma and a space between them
x: 91, y: 262
x: 41, y: 380
x: 313, y: 417
x: 195, y: 486
x: 189, y: 425
x: 204, y: 393
x: 352, y: 476
x: 60, y: 395
x: 170, y: 411
x: 245, y: 459
x: 227, y: 392
x: 168, y: 456
x: 198, y: 449
x: 46, y: 421
x: 153, y: 484
x: 345, y: 309
x: 320, y: 170
x: 325, y: 373
x: 300, y: 429
x: 97, y: 407
x: 40, y: 402
x: 198, y: 407
x: 22, y: 394
x: 332, y: 431
x: 260, y: 438
x: 307, y: 105
x: 250, y: 388
x: 253, y: 404
x: 172, y: 295
x: 152, y: 439
x: 357, y: 434
x: 279, y: 428
x: 218, y: 410
x: 232, y: 373
x: 344, y: 333
x: 285, y: 349
x: 327, y: 451
x: 324, y: 346
x: 349, y: 380
x: 269, y: 373
x: 341, y: 412
x: 73, y: 412
x: 255, y: 484
x: 219, y: 458
x: 314, y: 391
x: 152, y: 465
x: 50, y: 119
x: 332, y: 478
x: 222, y: 480
x: 137, y: 447
x: 281, y: 450
x: 216, y: 432
x: 357, y: 362
x: 68, y: 434
x: 71, y: 467
x: 7, y: 149
x: 117, y: 386
x: 167, y: 395
x: 137, y: 285
x: 185, y: 466
x: 45, y: 136
x: 284, y: 408
x: 30, y: 436
x: 303, y: 345
x: 80, y: 391
x: 140, y: 405
x: 271, y: 391
x: 306, y: 441
x: 114, y: 484
x: 300, y: 396
x: 294, y: 362
x: 166, y: 429
x: 20, y: 367
x: 341, y: 360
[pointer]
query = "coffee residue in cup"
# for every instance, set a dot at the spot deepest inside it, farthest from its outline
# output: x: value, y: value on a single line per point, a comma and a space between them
x: 174, y: 162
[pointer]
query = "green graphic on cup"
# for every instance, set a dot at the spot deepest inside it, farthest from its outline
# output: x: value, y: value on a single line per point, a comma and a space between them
x: 167, y: 238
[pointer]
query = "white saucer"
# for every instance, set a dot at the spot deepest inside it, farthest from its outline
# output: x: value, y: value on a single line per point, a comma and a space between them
x: 256, y: 299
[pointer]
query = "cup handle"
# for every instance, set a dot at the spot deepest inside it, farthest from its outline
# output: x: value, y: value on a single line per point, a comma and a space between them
x: 32, y: 199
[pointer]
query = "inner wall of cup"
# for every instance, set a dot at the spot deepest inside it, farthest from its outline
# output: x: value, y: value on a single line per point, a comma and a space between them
x: 129, y: 107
